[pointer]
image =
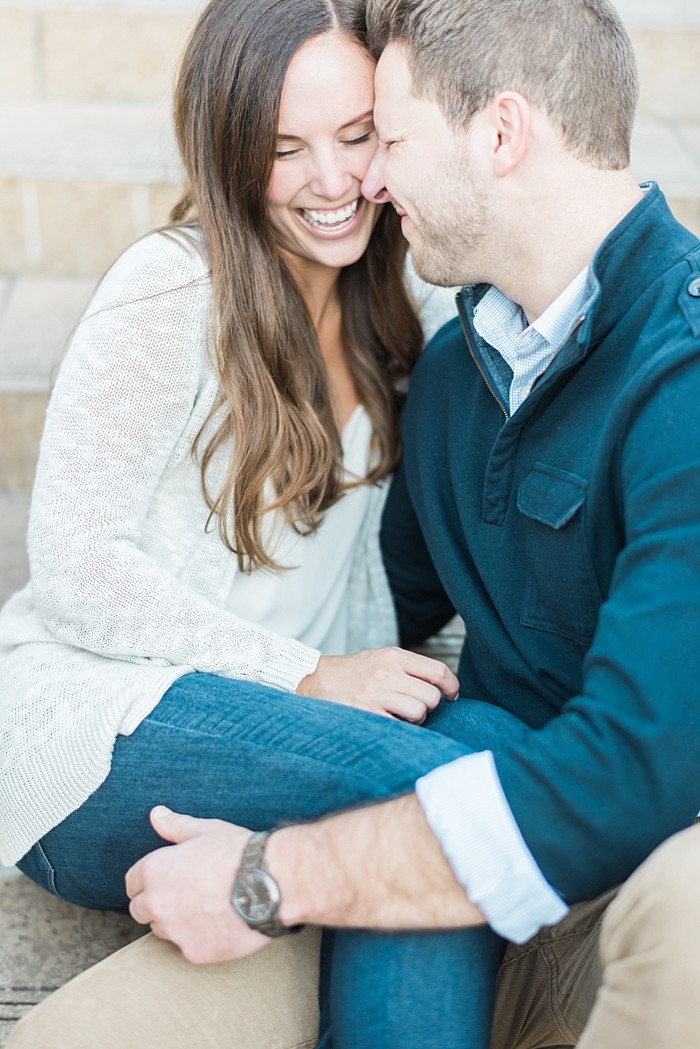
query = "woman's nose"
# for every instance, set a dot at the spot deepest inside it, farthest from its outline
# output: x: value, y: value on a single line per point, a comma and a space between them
x: 332, y: 178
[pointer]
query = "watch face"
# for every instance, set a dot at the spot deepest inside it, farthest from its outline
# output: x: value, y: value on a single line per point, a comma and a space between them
x: 256, y: 897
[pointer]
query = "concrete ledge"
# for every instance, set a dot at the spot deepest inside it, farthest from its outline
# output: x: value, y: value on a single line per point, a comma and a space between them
x: 109, y: 141
x: 89, y: 49
x: 45, y: 942
x: 669, y: 71
x: 659, y: 14
x: 39, y: 315
x: 166, y: 7
x: 14, y: 567
x: 668, y: 152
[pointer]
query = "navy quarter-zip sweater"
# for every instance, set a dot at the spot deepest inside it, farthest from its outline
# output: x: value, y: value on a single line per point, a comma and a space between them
x: 568, y: 538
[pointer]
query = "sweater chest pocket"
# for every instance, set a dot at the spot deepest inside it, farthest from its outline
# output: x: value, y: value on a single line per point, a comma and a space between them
x: 561, y: 592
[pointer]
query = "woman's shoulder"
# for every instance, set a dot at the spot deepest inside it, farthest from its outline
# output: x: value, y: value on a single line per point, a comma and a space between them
x: 173, y: 255
x: 163, y: 262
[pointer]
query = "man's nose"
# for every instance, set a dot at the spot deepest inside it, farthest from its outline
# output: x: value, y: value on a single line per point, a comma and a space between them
x: 373, y: 187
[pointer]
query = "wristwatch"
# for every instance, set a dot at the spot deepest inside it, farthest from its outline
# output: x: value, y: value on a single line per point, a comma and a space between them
x: 256, y: 895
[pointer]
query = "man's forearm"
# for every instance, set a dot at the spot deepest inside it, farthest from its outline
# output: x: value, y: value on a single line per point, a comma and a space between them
x: 377, y: 867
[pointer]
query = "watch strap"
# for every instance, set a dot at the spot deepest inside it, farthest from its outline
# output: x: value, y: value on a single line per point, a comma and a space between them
x: 253, y: 860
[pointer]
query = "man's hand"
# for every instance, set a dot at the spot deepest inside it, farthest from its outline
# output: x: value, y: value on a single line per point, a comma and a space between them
x: 388, y: 681
x: 375, y: 867
x: 183, y: 892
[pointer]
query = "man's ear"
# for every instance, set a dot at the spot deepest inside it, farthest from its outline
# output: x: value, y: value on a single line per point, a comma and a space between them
x: 511, y: 114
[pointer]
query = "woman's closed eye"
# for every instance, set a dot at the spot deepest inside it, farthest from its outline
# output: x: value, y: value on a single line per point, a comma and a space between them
x: 360, y: 139
x: 292, y: 151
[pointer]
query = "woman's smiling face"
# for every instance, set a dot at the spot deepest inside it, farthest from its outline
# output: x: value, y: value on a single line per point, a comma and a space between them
x: 325, y: 144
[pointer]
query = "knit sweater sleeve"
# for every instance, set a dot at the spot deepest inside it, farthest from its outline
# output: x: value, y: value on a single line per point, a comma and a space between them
x: 121, y: 413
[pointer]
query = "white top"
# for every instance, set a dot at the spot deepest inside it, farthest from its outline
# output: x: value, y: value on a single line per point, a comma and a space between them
x: 464, y: 802
x: 309, y: 599
x: 128, y: 589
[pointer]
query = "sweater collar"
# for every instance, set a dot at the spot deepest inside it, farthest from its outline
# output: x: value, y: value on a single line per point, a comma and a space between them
x: 647, y: 242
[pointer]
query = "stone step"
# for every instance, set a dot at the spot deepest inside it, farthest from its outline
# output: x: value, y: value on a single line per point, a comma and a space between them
x: 92, y: 49
x: 669, y: 72
x: 669, y: 152
x: 659, y: 14
x: 666, y: 37
x: 14, y: 568
x: 100, y: 141
x: 80, y: 181
x: 44, y: 942
x: 128, y: 49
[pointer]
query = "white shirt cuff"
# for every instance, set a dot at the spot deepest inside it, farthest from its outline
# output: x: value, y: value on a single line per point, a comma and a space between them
x: 469, y: 814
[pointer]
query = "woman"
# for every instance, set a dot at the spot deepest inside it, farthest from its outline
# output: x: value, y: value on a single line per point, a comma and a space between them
x: 206, y: 503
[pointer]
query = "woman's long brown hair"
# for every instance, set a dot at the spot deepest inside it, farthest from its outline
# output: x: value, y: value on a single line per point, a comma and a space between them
x: 273, y: 415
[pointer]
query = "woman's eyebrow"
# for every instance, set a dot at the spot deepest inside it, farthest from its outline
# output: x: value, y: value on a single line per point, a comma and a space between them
x: 369, y: 115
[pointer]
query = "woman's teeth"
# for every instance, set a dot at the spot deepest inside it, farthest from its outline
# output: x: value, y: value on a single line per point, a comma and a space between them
x: 331, y: 219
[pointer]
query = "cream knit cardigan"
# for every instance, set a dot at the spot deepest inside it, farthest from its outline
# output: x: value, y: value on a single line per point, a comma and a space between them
x: 128, y: 589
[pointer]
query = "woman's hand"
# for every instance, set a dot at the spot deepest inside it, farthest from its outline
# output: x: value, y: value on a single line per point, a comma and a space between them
x: 387, y: 681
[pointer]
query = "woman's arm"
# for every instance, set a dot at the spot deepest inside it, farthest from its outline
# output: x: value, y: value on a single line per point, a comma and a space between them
x: 125, y: 409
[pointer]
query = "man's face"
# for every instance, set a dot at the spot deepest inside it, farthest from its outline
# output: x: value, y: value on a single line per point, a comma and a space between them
x: 429, y: 172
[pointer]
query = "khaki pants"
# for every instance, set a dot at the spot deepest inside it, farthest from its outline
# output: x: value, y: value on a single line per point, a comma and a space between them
x: 621, y: 972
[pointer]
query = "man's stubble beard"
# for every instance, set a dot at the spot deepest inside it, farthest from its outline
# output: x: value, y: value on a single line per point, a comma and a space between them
x: 453, y: 218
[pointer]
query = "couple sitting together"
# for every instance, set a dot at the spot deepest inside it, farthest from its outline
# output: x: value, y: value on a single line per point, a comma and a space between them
x: 206, y: 716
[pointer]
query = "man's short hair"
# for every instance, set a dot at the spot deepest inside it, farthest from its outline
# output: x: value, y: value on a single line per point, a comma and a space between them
x: 572, y: 58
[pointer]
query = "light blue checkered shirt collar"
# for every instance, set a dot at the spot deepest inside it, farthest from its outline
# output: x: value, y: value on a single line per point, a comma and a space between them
x: 529, y: 349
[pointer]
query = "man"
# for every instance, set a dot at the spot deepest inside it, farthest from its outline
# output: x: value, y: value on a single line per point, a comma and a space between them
x: 550, y: 492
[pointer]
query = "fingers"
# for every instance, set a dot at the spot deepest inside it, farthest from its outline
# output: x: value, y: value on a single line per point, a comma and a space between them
x: 414, y: 708
x: 139, y: 912
x: 133, y: 881
x: 136, y: 881
x: 174, y: 826
x: 140, y: 878
x: 183, y: 890
x: 422, y: 691
x: 407, y: 708
x: 387, y: 681
x: 415, y: 684
x: 430, y: 670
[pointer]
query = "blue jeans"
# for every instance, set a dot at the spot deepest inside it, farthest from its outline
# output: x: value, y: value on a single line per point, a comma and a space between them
x: 255, y: 756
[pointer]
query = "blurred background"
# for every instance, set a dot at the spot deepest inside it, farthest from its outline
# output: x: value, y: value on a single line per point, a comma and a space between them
x: 88, y: 164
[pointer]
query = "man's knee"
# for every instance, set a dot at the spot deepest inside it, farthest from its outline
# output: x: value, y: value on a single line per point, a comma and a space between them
x: 658, y: 908
x: 148, y: 995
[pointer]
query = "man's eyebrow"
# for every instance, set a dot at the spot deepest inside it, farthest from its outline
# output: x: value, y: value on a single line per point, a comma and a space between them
x: 386, y: 134
x: 369, y: 115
